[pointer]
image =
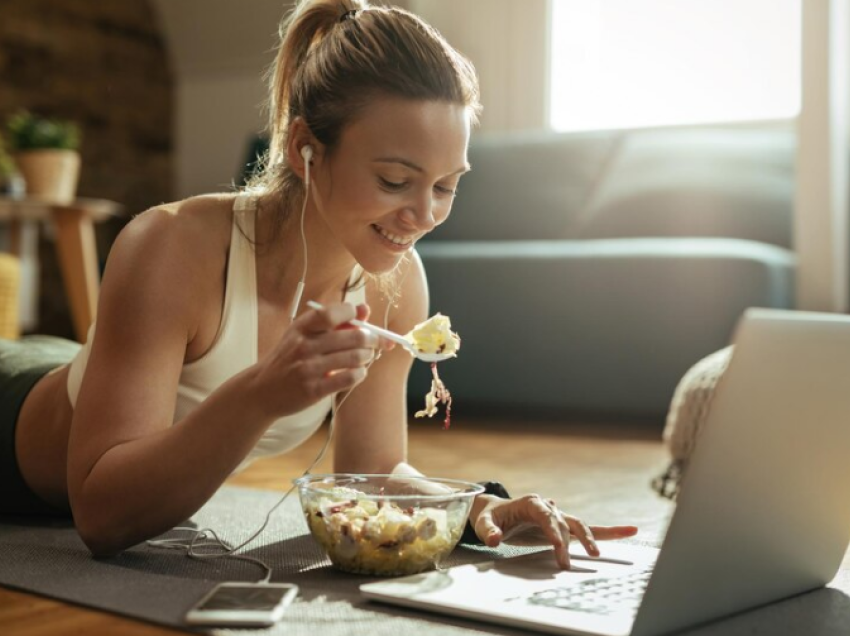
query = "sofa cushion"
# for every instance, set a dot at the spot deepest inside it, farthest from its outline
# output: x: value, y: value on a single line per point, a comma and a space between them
x: 605, y: 326
x: 525, y: 186
x: 725, y: 182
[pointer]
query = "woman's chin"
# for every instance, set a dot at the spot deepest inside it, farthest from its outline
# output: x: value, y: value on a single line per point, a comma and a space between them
x: 382, y: 266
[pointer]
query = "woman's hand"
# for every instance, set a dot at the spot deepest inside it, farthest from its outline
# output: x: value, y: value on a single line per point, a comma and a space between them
x: 532, y: 520
x: 319, y: 354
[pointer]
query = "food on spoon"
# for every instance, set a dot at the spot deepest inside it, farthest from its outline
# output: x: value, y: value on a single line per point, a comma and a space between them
x: 434, y: 336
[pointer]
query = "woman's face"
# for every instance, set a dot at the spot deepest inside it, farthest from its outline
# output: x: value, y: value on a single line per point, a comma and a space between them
x: 392, y: 177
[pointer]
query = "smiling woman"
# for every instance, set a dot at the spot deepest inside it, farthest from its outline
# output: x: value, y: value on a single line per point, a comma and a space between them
x: 203, y: 356
x: 391, y: 177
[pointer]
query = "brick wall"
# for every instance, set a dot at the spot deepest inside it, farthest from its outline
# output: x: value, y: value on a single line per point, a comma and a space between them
x: 105, y: 65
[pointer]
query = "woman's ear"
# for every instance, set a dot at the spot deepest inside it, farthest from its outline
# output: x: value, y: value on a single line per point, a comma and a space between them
x: 301, y: 144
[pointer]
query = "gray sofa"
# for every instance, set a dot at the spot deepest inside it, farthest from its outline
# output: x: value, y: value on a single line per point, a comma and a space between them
x: 585, y: 273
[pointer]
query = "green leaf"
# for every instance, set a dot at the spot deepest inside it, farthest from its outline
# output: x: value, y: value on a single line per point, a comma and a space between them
x: 27, y: 131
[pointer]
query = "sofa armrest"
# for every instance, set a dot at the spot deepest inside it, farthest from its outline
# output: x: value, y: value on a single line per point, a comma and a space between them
x: 604, y: 326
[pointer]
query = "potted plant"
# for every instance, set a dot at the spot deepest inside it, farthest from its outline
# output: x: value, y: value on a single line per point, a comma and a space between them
x: 45, y: 151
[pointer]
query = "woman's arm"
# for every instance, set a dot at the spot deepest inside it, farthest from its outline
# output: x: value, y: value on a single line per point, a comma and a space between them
x: 371, y: 424
x: 131, y: 474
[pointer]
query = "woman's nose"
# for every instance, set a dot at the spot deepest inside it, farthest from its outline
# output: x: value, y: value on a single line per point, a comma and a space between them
x: 420, y: 214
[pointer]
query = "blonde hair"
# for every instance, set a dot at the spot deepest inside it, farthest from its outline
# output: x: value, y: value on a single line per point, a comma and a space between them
x: 337, y: 55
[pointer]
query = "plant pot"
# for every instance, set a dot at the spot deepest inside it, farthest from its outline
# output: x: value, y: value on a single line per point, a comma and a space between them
x: 50, y: 175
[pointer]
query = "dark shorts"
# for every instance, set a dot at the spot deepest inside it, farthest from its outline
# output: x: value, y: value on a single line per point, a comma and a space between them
x: 23, y: 363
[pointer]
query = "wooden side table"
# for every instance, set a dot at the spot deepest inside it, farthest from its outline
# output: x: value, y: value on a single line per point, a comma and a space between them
x: 75, y: 246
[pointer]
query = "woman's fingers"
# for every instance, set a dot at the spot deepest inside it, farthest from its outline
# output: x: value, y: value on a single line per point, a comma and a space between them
x: 338, y: 340
x: 548, y: 519
x: 329, y: 329
x: 336, y: 382
x: 573, y: 527
x: 323, y: 365
x: 363, y: 311
x: 580, y: 530
x: 610, y: 533
x: 531, y: 516
x: 317, y: 321
x: 487, y: 530
x: 541, y: 514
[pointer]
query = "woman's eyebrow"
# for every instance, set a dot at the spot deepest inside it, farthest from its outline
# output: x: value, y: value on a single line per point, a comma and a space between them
x: 417, y: 168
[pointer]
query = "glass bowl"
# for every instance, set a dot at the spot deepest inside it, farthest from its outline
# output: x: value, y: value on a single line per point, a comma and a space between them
x: 386, y: 525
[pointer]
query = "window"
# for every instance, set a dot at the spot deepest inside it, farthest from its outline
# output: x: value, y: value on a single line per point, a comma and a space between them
x: 641, y: 63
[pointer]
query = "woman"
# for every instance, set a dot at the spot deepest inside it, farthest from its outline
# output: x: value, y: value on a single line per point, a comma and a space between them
x: 200, y: 322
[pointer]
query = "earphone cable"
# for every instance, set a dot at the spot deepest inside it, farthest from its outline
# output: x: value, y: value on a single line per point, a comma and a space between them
x: 216, y: 542
x: 300, y: 289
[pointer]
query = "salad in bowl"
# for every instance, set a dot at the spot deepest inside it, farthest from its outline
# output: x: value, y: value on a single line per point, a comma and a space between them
x: 386, y: 525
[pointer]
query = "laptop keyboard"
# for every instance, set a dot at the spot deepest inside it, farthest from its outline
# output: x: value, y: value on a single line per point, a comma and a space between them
x: 597, y: 596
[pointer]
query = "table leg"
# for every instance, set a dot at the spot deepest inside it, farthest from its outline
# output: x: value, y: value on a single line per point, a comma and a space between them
x: 77, y: 250
x: 15, y: 236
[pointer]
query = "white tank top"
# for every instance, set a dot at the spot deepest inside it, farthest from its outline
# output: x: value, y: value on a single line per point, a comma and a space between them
x: 235, y: 346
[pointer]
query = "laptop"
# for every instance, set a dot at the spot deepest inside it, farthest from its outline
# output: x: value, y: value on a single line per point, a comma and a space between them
x: 761, y: 514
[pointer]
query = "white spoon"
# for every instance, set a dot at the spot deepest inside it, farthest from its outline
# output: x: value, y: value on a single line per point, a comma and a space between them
x: 391, y: 335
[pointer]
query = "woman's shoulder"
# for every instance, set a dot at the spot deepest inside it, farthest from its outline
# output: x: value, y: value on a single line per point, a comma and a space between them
x: 204, y: 216
x: 195, y: 228
x: 182, y: 242
x: 168, y: 263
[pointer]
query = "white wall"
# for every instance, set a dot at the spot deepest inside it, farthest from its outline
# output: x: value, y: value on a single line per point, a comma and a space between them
x: 507, y: 41
x: 216, y: 116
x: 219, y: 51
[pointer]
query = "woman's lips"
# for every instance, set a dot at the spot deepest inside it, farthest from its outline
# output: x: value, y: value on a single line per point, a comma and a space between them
x: 393, y: 241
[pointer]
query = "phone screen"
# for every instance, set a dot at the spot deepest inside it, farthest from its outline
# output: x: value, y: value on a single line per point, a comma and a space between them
x: 247, y: 597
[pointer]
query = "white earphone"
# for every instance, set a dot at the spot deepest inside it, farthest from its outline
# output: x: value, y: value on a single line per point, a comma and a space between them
x: 307, y: 155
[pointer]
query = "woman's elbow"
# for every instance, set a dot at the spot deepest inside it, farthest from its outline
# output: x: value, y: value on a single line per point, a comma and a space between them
x: 99, y: 544
x: 98, y: 532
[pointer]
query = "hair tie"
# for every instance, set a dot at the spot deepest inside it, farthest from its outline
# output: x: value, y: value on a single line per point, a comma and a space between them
x: 349, y: 15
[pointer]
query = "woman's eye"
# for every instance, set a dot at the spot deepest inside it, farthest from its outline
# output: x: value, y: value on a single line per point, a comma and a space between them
x: 391, y: 185
x: 446, y: 190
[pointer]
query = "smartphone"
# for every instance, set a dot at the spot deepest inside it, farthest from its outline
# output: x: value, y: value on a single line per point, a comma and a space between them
x: 243, y: 604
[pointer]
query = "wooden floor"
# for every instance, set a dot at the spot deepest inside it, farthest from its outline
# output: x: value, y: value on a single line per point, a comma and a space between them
x: 587, y: 464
